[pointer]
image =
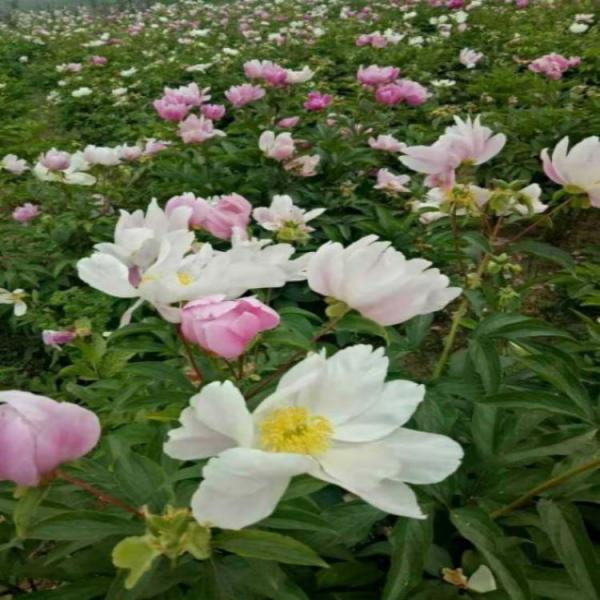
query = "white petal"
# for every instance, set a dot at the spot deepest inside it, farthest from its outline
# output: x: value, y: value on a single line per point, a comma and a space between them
x: 394, y: 407
x: 216, y: 420
x: 425, y: 457
x: 393, y: 497
x: 107, y: 274
x: 242, y: 486
x: 20, y: 309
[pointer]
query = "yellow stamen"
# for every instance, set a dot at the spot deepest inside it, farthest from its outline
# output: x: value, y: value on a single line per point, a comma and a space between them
x: 185, y: 278
x: 295, y: 430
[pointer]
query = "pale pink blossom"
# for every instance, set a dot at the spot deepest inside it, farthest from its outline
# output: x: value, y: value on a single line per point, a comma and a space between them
x: 98, y: 61
x: 13, y: 164
x: 375, y: 75
x: 403, y: 91
x: 387, y: 143
x: 577, y: 169
x: 376, y: 280
x: 226, y: 327
x: 190, y: 94
x: 303, y: 166
x: 278, y: 147
x: 196, y: 130
x: 170, y: 109
x: 213, y: 111
x: 240, y: 95
x: 389, y: 182
x: 469, y: 58
x: 37, y: 435
x: 56, y: 160
x: 26, y: 212
x: 288, y: 122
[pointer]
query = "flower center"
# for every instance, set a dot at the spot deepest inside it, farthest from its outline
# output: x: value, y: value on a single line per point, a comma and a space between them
x: 185, y: 278
x: 295, y: 430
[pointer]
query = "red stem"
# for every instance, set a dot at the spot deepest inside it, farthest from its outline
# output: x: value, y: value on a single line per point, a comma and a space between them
x: 102, y: 496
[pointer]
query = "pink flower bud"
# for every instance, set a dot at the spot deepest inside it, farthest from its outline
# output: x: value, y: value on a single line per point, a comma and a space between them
x: 55, y: 338
x: 56, y: 160
x: 37, y: 435
x: 226, y: 327
x: 288, y: 122
x: 26, y: 212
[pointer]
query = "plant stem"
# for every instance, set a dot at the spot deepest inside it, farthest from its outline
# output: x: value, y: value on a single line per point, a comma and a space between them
x: 102, y: 496
x: 190, y: 355
x: 461, y: 311
x: 292, y: 361
x: 545, y: 486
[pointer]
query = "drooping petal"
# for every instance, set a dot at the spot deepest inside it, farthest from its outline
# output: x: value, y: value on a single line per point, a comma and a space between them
x: 242, y: 486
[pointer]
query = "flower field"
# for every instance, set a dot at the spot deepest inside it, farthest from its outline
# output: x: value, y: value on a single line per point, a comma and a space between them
x: 299, y: 301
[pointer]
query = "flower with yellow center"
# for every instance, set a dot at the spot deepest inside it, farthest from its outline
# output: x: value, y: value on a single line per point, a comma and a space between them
x: 295, y: 430
x: 16, y: 298
x: 333, y: 418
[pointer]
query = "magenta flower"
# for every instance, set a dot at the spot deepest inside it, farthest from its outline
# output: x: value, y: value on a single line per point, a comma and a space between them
x: 37, y: 435
x: 317, y: 101
x: 554, y: 65
x: 403, y: 91
x: 226, y: 327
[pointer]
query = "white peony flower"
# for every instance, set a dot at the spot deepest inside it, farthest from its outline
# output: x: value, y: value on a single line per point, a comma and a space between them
x: 578, y: 169
x: 16, y: 299
x: 376, y: 280
x: 335, y: 419
x: 283, y: 214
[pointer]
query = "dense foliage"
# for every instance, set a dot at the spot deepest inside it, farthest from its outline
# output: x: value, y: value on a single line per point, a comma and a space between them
x: 510, y: 367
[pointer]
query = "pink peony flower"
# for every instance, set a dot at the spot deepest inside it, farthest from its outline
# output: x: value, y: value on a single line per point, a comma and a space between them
x: 190, y: 94
x: 240, y: 95
x: 99, y: 61
x: 170, y: 109
x: 25, y: 213
x: 220, y: 216
x: 278, y: 147
x: 469, y: 58
x: 13, y: 164
x: 37, y: 435
x: 56, y: 339
x: 213, y: 111
x: 374, y: 75
x: 317, y: 101
x: 288, y: 122
x: 554, y: 65
x: 387, y: 143
x: 389, y: 182
x: 303, y: 166
x: 154, y: 147
x: 196, y: 130
x: 454, y: 4
x: 56, y: 160
x: 226, y: 327
x: 405, y: 90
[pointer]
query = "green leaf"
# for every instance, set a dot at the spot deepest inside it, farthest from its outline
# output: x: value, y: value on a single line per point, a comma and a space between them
x: 515, y: 327
x: 476, y: 526
x: 252, y: 543
x: 135, y: 554
x: 82, y: 525
x: 356, y: 324
x: 485, y: 358
x: 566, y: 530
x: 348, y: 574
x: 546, y: 251
x: 410, y: 540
